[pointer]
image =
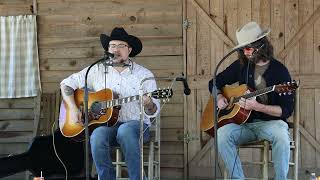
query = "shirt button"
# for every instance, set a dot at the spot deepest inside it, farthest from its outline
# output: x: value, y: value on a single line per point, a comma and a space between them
x: 250, y: 75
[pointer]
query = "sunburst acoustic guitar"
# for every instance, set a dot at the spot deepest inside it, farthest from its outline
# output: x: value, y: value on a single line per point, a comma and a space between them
x: 103, y: 108
x: 234, y: 113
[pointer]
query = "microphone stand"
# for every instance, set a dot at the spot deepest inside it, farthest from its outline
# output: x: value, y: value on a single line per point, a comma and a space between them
x: 215, y: 117
x: 86, y: 122
x: 142, y: 115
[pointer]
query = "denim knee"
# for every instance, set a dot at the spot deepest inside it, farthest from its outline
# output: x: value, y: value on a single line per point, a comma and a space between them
x: 126, y: 133
x: 282, y: 139
x: 224, y: 137
x: 99, y: 137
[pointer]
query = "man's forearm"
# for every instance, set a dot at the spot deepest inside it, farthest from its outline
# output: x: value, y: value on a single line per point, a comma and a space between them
x: 272, y: 110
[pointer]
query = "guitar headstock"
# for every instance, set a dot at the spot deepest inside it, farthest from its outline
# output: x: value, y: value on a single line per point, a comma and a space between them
x: 162, y: 93
x: 286, y: 88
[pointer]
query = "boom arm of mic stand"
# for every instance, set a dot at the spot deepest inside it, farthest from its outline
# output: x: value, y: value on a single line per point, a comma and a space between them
x: 86, y: 121
x: 215, y: 118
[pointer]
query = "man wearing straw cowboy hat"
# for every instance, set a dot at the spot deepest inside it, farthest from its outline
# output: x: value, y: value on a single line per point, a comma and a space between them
x: 125, y: 81
x: 257, y: 68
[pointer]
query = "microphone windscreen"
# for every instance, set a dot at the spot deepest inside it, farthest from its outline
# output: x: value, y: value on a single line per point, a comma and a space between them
x: 109, y: 54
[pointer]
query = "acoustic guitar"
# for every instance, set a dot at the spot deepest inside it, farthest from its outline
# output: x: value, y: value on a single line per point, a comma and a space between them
x: 233, y: 113
x: 102, y: 109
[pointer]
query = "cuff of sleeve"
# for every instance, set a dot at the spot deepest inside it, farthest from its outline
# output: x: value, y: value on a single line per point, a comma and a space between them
x: 67, y: 84
x: 285, y: 113
x: 155, y: 113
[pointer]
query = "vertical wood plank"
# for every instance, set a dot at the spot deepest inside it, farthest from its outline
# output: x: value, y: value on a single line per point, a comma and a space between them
x: 306, y: 53
x: 216, y: 43
x: 307, y: 120
x: 316, y: 58
x: 291, y: 28
x: 277, y: 25
x: 231, y: 25
x: 255, y: 12
x: 185, y: 102
x: 193, y: 146
x: 265, y: 13
x: 317, y: 122
x: 202, y: 97
x: 316, y: 35
x: 191, y: 40
x: 217, y: 46
x: 244, y: 12
x: 203, y: 47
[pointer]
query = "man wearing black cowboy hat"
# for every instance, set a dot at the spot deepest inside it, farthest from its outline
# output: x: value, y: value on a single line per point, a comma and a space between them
x: 125, y: 81
x: 257, y: 68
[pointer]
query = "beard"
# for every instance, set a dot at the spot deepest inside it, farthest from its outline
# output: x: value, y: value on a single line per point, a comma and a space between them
x: 253, y: 59
x: 256, y: 57
x: 118, y: 59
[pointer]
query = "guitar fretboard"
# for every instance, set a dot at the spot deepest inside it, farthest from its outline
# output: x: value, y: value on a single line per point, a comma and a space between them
x: 255, y: 93
x: 117, y: 102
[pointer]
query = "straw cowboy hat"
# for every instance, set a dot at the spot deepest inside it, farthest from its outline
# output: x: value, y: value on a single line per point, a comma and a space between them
x: 250, y: 33
x: 120, y: 34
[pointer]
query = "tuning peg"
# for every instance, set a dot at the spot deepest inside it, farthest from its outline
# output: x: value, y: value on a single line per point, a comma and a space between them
x: 280, y: 94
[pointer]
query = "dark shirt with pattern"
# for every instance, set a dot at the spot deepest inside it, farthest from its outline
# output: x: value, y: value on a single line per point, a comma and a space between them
x: 276, y: 73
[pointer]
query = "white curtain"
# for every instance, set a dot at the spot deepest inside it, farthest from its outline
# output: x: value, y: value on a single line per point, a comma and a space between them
x: 19, y: 62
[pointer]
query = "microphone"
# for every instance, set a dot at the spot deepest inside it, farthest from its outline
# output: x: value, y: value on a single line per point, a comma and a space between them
x: 186, y: 88
x: 256, y: 50
x: 108, y: 54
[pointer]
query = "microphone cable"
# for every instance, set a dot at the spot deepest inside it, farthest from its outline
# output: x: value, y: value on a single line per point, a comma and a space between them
x: 55, y: 151
x: 241, y: 128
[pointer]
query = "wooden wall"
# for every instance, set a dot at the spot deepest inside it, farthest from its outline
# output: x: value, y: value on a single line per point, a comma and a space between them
x: 295, y: 27
x: 16, y: 115
x: 68, y: 41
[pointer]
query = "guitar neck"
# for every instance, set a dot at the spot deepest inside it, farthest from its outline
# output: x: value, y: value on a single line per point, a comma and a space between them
x: 256, y: 93
x: 118, y: 102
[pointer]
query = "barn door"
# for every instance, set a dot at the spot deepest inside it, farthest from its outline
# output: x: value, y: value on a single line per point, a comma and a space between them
x: 206, y: 44
x: 210, y: 27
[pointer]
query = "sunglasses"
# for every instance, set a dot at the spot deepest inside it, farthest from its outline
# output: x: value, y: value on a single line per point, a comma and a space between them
x: 253, y: 46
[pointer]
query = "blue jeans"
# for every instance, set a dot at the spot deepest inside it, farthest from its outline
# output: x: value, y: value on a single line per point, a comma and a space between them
x: 127, y: 136
x: 275, y: 131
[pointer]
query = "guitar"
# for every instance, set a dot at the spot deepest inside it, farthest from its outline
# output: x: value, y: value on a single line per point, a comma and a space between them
x: 233, y: 113
x: 102, y: 109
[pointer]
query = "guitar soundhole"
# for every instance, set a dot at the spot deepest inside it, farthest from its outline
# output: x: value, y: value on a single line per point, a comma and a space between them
x: 96, y: 111
x: 224, y: 112
x: 95, y: 108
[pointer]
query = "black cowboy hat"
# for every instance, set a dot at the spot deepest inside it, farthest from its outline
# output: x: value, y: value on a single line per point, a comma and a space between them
x: 120, y: 34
